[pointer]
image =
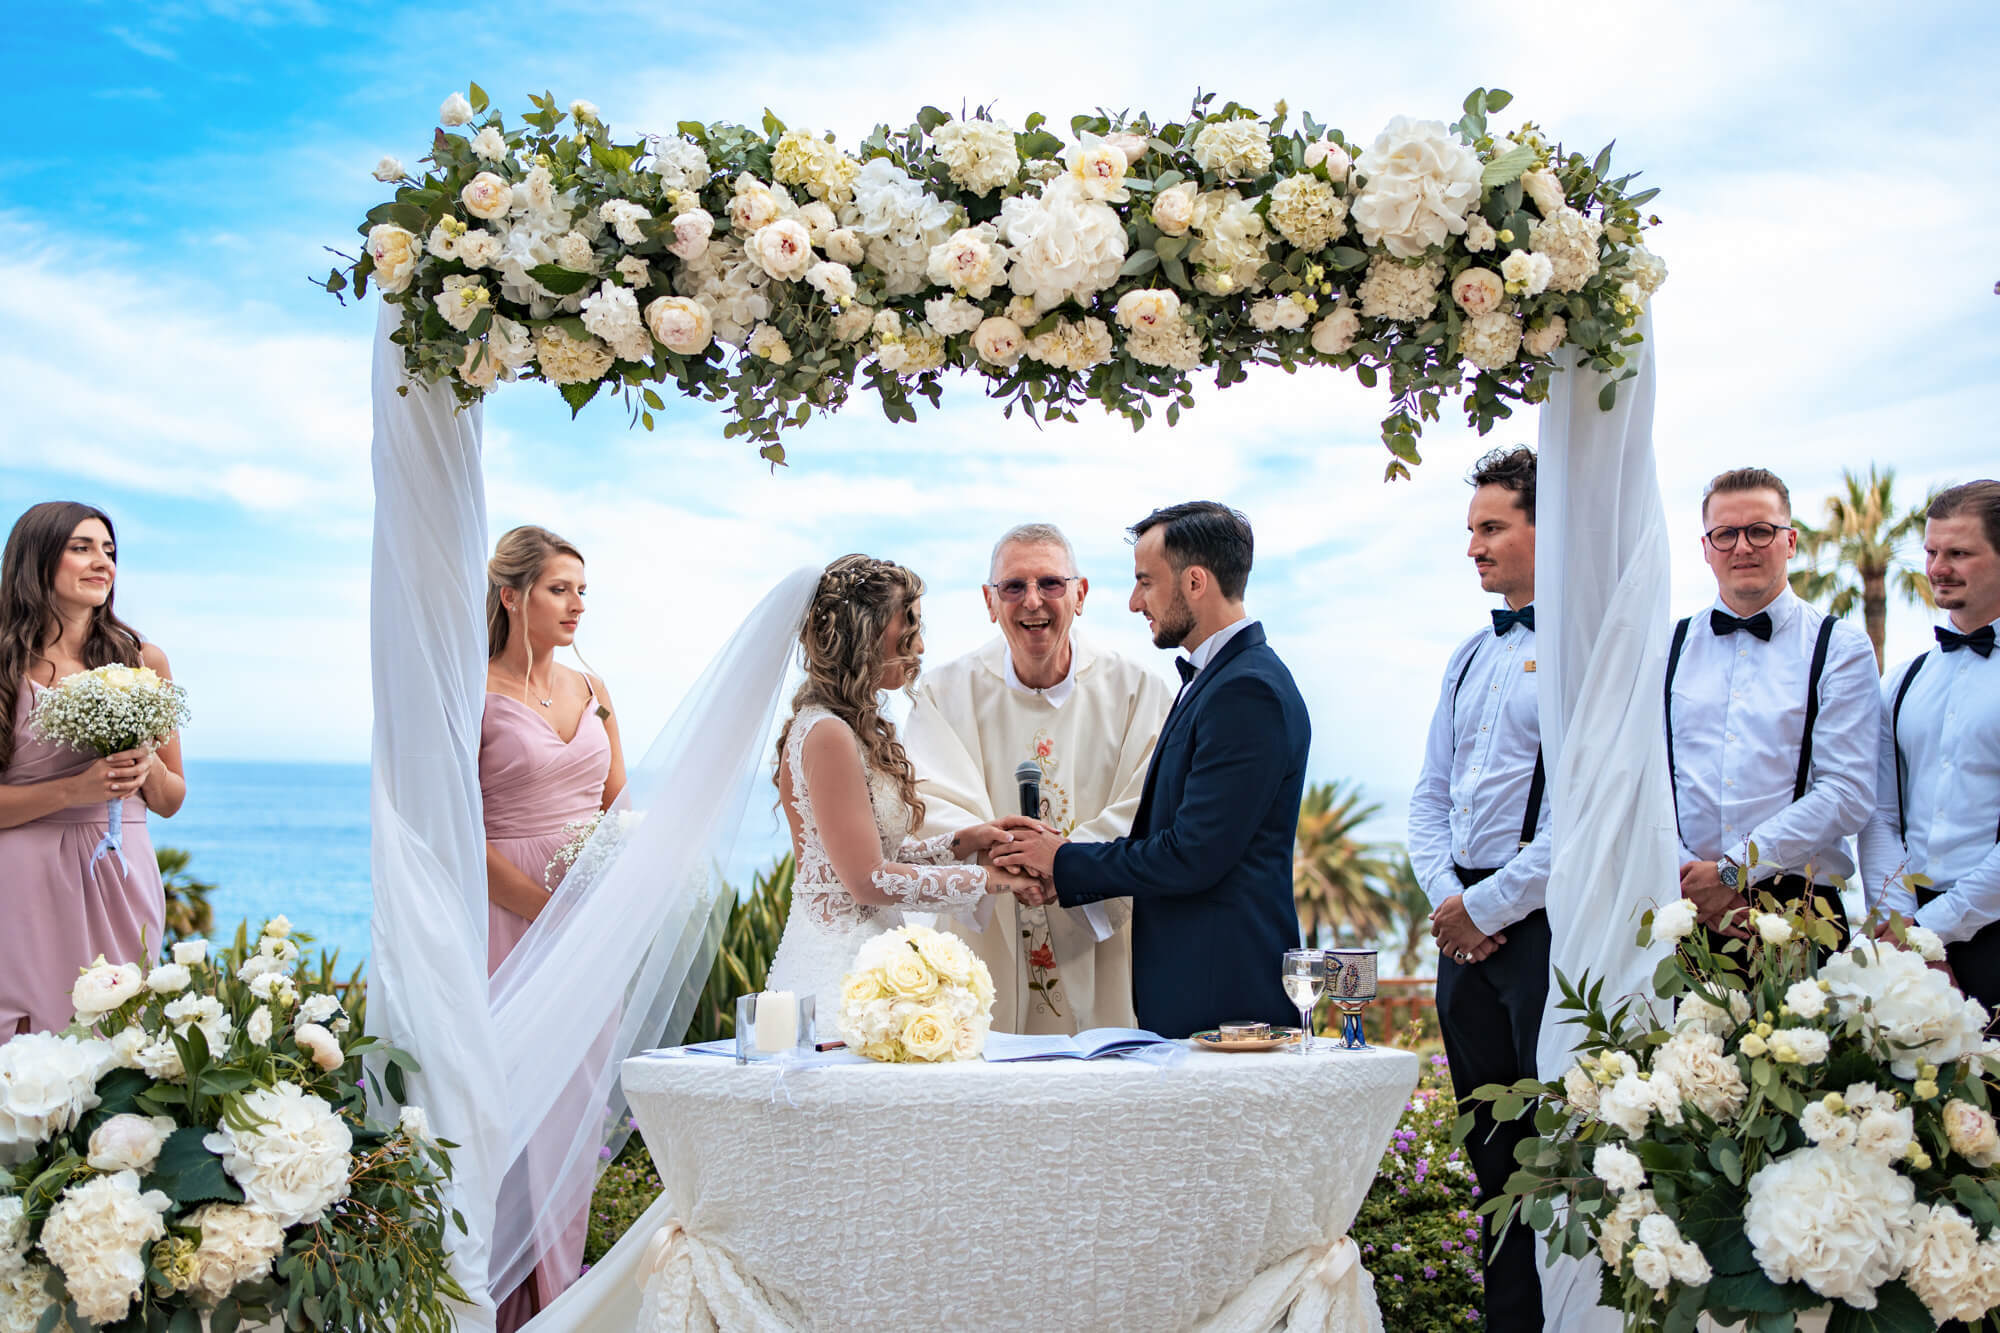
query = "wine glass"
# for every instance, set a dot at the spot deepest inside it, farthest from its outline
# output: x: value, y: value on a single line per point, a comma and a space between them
x: 1305, y: 980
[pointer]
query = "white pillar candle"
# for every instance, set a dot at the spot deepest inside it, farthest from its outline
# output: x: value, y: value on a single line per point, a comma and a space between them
x: 777, y: 1021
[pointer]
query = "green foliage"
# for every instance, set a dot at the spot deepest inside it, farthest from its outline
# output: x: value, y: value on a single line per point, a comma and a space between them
x: 1339, y: 883
x: 189, y: 915
x: 749, y: 942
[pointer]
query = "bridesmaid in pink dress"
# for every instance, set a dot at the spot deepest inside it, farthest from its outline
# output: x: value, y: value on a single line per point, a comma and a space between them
x: 59, y: 910
x: 548, y: 754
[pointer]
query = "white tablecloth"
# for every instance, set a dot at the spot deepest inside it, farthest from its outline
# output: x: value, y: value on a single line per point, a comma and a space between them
x: 1212, y: 1193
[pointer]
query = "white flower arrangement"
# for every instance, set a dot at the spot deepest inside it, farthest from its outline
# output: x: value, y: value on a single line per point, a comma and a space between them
x: 916, y: 995
x: 787, y: 238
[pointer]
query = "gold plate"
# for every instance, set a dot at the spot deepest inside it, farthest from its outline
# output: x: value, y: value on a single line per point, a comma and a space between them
x: 1211, y: 1041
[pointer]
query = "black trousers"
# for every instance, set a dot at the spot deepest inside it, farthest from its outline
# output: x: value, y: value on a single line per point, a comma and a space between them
x: 1789, y: 890
x: 1491, y: 1015
x: 1975, y: 962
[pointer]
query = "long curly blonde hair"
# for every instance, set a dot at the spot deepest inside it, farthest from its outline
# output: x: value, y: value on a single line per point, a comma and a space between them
x: 851, y: 609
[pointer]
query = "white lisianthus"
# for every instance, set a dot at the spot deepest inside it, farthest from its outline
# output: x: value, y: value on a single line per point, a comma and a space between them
x: 1288, y: 312
x: 1417, y: 184
x: 623, y: 217
x: 489, y: 145
x: 1569, y: 239
x: 1688, y: 1264
x: 415, y: 1125
x: 1633, y: 1208
x: 1479, y: 233
x: 1926, y: 944
x: 1098, y: 168
x: 971, y: 261
x: 1910, y: 1013
x: 47, y: 1083
x: 1133, y: 146
x: 454, y: 110
x: 845, y: 245
x: 1526, y: 272
x: 272, y: 987
x: 612, y: 313
x: 585, y: 113
x: 258, y: 1029
x: 103, y: 987
x: 1628, y: 1105
x: 1478, y: 291
x: 768, y: 343
x: 1233, y: 149
x: 1173, y: 209
x: 681, y: 324
x: 160, y: 1059
x: 999, y: 341
x: 1823, y: 1125
x: 1705, y: 1073
x: 487, y: 196
x: 1972, y: 1132
x: 1885, y: 1135
x: 191, y: 953
x: 1328, y: 154
x: 951, y: 315
x: 97, y: 1234
x: 1798, y: 1046
x: 1066, y: 245
x: 319, y: 1008
x: 1541, y: 340
x: 278, y: 947
x: 1147, y: 307
x: 783, y: 249
x: 1580, y: 1089
x: 1805, y: 999
x: 1229, y: 256
x: 238, y: 1245
x: 463, y: 297
x: 389, y: 169
x: 1619, y: 1168
x: 512, y: 346
x: 1694, y: 1011
x: 1335, y: 333
x: 1676, y: 920
x: 1652, y: 1267
x: 1307, y: 213
x: 833, y: 281
x: 567, y: 360
x: 1773, y: 928
x: 1831, y: 1218
x: 692, y: 230
x: 1492, y: 340
x: 1394, y: 290
x: 1542, y: 186
x: 294, y: 1164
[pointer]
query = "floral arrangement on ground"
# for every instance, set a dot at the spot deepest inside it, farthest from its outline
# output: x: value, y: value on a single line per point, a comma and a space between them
x: 196, y: 1152
x: 1786, y: 1129
x: 770, y: 269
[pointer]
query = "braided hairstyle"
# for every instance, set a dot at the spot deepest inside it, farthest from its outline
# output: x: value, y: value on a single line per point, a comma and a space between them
x: 851, y: 609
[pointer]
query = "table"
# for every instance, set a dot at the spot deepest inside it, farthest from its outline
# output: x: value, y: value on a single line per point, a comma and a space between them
x: 1214, y: 1192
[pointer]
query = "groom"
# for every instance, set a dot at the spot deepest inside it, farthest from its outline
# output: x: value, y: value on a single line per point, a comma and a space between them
x: 1208, y: 864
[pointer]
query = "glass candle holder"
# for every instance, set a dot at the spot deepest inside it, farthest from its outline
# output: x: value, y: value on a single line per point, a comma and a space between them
x: 1350, y: 984
x: 769, y: 1023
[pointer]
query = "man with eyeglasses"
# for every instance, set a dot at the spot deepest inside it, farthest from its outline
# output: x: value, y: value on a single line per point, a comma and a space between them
x: 1771, y: 720
x: 1086, y: 719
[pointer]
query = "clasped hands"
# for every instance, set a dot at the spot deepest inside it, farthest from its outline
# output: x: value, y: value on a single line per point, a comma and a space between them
x: 1452, y: 928
x: 1019, y: 854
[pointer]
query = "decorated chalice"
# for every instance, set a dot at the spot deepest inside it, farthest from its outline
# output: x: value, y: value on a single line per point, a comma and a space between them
x: 1350, y: 984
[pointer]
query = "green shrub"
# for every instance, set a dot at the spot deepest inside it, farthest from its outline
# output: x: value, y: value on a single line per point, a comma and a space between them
x: 189, y: 916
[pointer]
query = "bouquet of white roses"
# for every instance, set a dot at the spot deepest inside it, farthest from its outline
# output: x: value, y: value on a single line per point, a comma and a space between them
x: 1776, y: 1135
x: 916, y: 994
x: 195, y: 1151
x: 106, y: 710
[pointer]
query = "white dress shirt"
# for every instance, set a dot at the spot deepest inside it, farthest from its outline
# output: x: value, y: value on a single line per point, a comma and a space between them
x: 1202, y: 655
x: 1739, y: 712
x: 1950, y: 736
x: 1479, y: 762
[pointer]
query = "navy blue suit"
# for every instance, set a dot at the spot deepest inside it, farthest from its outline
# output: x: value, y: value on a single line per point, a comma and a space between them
x: 1208, y: 865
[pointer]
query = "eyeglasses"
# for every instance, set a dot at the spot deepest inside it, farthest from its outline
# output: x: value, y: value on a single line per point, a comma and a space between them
x: 1048, y: 585
x: 1759, y: 535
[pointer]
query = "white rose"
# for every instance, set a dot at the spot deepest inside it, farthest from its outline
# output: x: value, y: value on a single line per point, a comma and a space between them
x: 1925, y: 943
x: 682, y: 325
x: 584, y: 112
x: 1526, y: 272
x: 294, y: 1164
x: 238, y: 1245
x: 97, y: 1234
x: 103, y: 987
x: 47, y: 1082
x: 845, y: 245
x: 1542, y: 340
x: 1676, y: 920
x: 1478, y: 291
x: 768, y: 343
x: 1773, y: 929
x: 1823, y: 1125
x: 818, y: 220
x: 1831, y: 1218
x: 1805, y: 999
x: 415, y: 1125
x: 1972, y: 1133
x: 389, y: 169
x: 1418, y: 183
x: 259, y: 1027
x: 487, y: 196
x: 317, y: 1042
x: 191, y: 953
x: 833, y: 281
x: 489, y: 145
x: 783, y: 249
x: 1542, y: 186
x: 1234, y: 149
x: 1651, y: 1267
x: 1173, y: 209
x: 1619, y: 1168
x: 999, y: 341
x: 1335, y: 333
x: 129, y: 1142
x: 455, y: 110
x: 1326, y: 153
x: 691, y: 232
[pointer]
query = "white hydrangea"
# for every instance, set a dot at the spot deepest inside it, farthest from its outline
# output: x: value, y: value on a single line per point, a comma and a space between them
x: 1172, y: 343
x: 769, y: 344
x: 47, y: 1083
x: 680, y: 164
x: 1491, y: 341
x: 1307, y: 212
x: 898, y: 221
x: 567, y: 360
x: 1394, y: 290
x: 980, y: 155
x: 804, y: 158
x: 13, y: 1235
x: 1947, y: 1266
x: 1074, y: 345
x: 1569, y: 239
x: 1418, y: 184
x: 1910, y: 1012
x: 1066, y: 245
x: 1232, y: 243
x: 238, y: 1245
x: 1234, y: 149
x: 97, y: 1234
x: 730, y: 286
x: 906, y: 349
x: 1831, y: 1218
x: 294, y: 1164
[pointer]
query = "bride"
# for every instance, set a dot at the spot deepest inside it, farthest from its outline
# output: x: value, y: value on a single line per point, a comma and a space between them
x: 849, y: 792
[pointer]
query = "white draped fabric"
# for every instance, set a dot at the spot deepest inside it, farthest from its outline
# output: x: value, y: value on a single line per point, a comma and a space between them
x: 1601, y: 600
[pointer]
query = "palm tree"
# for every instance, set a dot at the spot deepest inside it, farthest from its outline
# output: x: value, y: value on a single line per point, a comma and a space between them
x: 1410, y: 931
x: 1851, y: 561
x: 1336, y: 878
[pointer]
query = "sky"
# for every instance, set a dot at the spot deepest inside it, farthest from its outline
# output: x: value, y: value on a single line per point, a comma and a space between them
x: 1829, y: 212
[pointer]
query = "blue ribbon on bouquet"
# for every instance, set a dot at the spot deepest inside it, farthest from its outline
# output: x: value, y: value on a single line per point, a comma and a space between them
x: 113, y: 841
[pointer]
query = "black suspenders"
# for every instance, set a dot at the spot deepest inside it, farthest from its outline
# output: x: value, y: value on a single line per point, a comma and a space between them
x: 1895, y: 721
x: 1537, y: 785
x: 1804, y: 776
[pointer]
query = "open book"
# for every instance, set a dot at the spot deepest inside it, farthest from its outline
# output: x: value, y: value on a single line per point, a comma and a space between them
x: 1088, y: 1045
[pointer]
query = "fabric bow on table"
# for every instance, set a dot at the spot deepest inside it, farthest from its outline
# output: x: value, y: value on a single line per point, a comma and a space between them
x: 1758, y: 626
x: 1319, y: 1289
x: 1979, y: 641
x: 691, y: 1287
x: 1504, y: 620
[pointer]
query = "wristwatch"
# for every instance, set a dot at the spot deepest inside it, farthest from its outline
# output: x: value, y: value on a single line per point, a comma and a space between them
x: 1728, y: 871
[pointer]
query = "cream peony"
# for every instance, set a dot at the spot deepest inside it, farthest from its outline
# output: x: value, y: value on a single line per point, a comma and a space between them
x: 833, y: 281
x: 1541, y: 340
x: 454, y: 110
x: 845, y: 245
x: 294, y: 1164
x: 1328, y: 154
x: 1619, y: 1168
x: 1542, y: 186
x: 487, y: 196
x: 1394, y: 290
x: 1479, y: 291
x: 169, y: 979
x: 1491, y: 341
x: 766, y: 342
x: 1234, y: 149
x: 1417, y: 184
x: 1066, y: 245
x: 129, y: 1142
x: 971, y: 261
x: 979, y: 154
x: 47, y: 1082
x: 783, y: 249
x: 1098, y: 168
x: 1148, y: 307
x: 238, y: 1245
x: 1831, y: 1218
x: 103, y: 987
x: 1335, y: 333
x: 691, y: 232
x: 1173, y: 209
x: 1704, y: 1072
x: 191, y: 953
x: 567, y: 360
x: 1971, y: 1132
x: 681, y: 324
x: 1229, y: 256
x: 97, y: 1234
x: 753, y: 203
x: 999, y: 341
x: 1307, y: 213
x: 320, y: 1044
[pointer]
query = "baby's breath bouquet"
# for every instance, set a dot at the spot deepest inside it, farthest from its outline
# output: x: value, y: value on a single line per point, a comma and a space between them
x: 196, y: 1152
x: 916, y: 994
x: 104, y: 711
x: 1773, y: 1134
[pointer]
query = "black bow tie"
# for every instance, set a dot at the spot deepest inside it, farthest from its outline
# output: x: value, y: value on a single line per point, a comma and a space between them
x: 1979, y: 641
x: 1504, y: 620
x: 1758, y: 625
x: 1186, y: 667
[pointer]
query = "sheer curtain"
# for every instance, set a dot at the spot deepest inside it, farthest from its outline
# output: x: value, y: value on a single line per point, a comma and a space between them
x: 1601, y: 593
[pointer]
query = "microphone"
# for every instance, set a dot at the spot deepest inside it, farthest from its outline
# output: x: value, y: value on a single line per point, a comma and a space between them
x: 1029, y: 778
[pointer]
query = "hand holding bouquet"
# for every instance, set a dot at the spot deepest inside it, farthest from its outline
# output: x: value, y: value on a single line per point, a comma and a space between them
x: 103, y: 712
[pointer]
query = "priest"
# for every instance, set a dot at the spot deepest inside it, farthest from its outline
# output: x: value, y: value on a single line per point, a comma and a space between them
x: 1086, y: 720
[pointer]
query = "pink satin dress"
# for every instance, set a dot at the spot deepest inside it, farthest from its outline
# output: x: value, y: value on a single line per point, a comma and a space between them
x: 58, y: 912
x: 532, y: 783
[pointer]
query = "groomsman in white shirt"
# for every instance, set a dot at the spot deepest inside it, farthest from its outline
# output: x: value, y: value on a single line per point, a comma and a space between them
x: 1771, y: 728
x: 1479, y: 839
x: 1937, y: 809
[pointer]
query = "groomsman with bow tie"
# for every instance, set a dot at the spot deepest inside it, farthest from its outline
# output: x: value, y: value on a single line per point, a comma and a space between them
x: 1479, y: 840
x: 1770, y: 719
x: 1937, y: 810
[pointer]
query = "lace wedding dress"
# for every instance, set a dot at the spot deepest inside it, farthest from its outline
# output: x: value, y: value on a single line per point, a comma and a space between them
x: 827, y: 925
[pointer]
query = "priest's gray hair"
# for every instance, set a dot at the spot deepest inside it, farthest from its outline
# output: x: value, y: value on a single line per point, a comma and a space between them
x: 1031, y: 534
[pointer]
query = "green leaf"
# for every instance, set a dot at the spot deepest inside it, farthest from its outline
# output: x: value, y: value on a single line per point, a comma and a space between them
x: 930, y: 118
x: 652, y: 400
x: 1497, y: 99
x: 187, y: 1172
x: 477, y: 96
x: 1139, y: 263
x: 576, y: 395
x: 1607, y: 397
x: 1507, y: 167
x: 562, y: 281
x: 1896, y: 1308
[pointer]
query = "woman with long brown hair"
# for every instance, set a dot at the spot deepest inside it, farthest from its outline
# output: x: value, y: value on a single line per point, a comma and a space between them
x: 62, y: 908
x: 849, y: 792
x: 549, y: 755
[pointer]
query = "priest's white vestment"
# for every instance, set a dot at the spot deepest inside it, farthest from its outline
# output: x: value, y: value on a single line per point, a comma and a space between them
x: 1092, y: 736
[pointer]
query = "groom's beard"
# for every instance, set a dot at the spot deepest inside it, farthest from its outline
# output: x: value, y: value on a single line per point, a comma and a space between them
x: 1171, y: 630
